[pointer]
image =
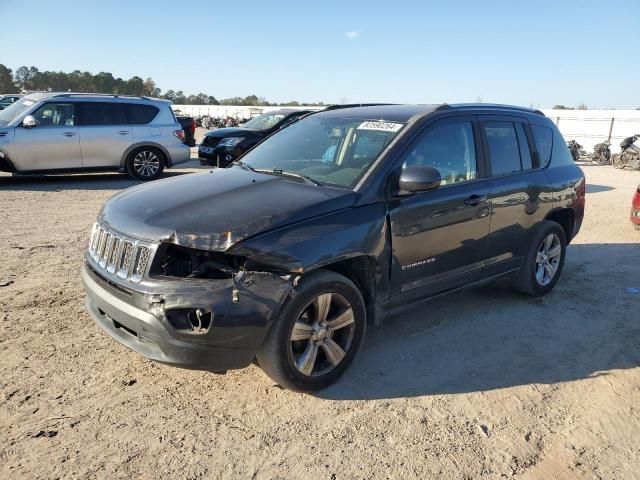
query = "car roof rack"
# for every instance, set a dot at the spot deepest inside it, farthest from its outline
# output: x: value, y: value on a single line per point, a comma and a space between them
x: 353, y: 105
x: 110, y: 95
x: 490, y: 106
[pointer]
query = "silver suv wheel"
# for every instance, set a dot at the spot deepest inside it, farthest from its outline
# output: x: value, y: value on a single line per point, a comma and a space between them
x: 146, y: 164
x: 548, y: 259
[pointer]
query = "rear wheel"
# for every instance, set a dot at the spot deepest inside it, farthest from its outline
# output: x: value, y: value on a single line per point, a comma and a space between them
x: 317, y: 334
x: 146, y: 163
x: 544, y: 262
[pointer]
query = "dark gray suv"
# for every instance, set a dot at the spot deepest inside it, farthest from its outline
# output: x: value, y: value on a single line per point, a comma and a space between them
x: 327, y: 226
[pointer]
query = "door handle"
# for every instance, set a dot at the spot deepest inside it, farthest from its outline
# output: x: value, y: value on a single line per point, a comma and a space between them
x: 69, y: 134
x: 474, y: 200
x: 123, y: 132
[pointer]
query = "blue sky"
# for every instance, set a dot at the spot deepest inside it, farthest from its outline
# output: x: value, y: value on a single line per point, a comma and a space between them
x: 536, y: 53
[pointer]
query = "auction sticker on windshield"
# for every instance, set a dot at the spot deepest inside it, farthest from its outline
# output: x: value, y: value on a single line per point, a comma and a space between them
x: 381, y: 126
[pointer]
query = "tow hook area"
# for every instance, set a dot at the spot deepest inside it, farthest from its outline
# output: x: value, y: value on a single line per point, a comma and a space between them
x: 198, y: 310
x: 189, y: 320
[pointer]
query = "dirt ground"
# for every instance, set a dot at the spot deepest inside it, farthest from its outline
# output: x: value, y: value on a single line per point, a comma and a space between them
x: 483, y: 384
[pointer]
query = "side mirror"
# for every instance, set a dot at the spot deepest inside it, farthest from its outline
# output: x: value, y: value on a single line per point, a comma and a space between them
x: 418, y: 179
x: 29, y: 121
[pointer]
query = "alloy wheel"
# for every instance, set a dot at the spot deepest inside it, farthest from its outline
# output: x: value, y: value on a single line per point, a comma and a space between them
x: 322, y: 335
x: 146, y: 163
x: 548, y: 259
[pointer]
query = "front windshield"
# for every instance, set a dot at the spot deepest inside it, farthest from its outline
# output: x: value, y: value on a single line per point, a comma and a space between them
x: 263, y: 122
x: 14, y: 110
x: 334, y: 151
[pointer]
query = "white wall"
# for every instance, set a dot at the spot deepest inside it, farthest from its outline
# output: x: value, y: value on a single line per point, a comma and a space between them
x: 230, y: 110
x: 587, y: 127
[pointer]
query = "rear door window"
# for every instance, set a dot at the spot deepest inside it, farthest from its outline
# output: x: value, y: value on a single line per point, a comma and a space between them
x: 101, y: 113
x: 504, y: 150
x: 140, y: 114
x: 543, y: 137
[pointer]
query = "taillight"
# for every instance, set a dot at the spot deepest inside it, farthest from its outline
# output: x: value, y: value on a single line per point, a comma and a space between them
x: 636, y: 199
x: 179, y: 134
x: 193, y: 126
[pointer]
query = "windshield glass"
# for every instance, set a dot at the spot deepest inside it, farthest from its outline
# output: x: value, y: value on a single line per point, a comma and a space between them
x: 263, y: 122
x: 334, y: 151
x: 14, y: 110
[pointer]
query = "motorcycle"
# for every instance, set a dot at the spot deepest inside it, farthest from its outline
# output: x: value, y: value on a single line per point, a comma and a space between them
x: 601, y: 153
x: 575, y: 148
x: 629, y: 155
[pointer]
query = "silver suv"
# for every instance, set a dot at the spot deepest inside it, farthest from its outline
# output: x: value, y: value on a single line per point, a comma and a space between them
x: 58, y: 132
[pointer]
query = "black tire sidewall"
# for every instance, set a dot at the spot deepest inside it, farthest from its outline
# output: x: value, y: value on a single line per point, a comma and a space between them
x: 280, y: 366
x: 546, y: 229
x: 132, y: 171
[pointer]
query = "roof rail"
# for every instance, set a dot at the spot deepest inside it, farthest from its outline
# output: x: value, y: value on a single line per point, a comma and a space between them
x: 491, y: 106
x: 111, y: 95
x: 352, y: 105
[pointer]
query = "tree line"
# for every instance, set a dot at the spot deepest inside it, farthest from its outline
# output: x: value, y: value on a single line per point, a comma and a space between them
x: 27, y: 79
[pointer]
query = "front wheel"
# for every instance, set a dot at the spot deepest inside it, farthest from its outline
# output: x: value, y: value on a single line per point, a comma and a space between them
x: 617, y: 161
x: 145, y: 164
x: 544, y: 262
x: 317, y: 334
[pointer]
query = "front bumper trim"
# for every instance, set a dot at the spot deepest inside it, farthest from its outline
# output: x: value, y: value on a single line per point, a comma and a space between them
x: 145, y: 334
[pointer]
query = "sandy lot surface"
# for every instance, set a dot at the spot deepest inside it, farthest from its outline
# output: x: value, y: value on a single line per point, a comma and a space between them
x: 483, y: 384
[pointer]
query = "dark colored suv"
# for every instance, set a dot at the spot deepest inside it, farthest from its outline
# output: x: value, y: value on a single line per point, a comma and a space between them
x: 328, y: 226
x: 223, y: 146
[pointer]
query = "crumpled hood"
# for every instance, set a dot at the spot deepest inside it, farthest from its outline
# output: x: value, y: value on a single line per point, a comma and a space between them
x: 215, y: 210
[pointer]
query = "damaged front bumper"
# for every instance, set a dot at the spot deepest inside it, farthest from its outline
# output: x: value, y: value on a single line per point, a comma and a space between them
x: 210, y: 324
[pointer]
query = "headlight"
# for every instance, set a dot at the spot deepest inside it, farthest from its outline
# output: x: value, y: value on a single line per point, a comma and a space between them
x: 230, y: 142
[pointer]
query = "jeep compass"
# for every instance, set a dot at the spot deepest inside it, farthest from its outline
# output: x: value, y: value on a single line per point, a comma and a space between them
x: 327, y: 227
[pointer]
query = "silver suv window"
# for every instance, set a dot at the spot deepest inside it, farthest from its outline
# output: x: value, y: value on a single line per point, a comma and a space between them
x: 55, y: 115
x: 139, y: 114
x: 101, y: 113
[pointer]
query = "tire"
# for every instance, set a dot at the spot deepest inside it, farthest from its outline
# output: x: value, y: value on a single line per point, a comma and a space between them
x: 617, y: 162
x: 529, y: 280
x: 146, y: 163
x: 282, y: 357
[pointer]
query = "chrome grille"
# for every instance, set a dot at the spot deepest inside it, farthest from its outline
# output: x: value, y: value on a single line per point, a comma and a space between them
x: 113, y: 255
x: 141, y: 262
x: 124, y: 266
x: 126, y: 258
x: 104, y: 252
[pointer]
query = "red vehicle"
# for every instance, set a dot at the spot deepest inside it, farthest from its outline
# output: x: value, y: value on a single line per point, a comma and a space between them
x: 635, y: 209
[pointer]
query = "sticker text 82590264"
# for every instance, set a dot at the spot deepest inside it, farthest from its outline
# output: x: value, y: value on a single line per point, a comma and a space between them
x: 381, y: 126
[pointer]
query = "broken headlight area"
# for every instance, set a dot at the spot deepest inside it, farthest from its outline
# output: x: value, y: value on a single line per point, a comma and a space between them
x: 183, y: 262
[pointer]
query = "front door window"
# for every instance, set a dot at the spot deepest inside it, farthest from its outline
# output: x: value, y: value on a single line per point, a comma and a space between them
x: 55, y: 115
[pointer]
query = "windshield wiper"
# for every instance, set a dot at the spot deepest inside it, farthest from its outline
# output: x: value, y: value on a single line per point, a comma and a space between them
x: 244, y: 165
x: 287, y: 173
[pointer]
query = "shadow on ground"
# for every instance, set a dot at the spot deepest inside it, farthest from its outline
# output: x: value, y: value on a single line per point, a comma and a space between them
x: 591, y: 188
x: 492, y: 337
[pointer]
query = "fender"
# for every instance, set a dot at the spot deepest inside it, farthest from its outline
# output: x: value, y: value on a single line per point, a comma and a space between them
x: 145, y: 143
x: 6, y: 165
x: 322, y: 241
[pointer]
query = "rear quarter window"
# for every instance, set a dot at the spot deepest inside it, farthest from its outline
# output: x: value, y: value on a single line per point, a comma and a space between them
x: 543, y: 137
x: 141, y: 114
